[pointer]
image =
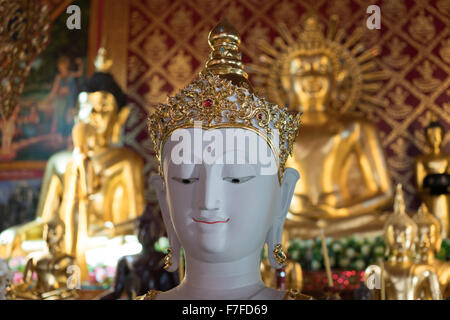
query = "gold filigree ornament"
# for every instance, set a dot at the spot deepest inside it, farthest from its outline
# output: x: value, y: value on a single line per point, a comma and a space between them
x: 24, y: 33
x: 222, y: 98
x: 357, y: 76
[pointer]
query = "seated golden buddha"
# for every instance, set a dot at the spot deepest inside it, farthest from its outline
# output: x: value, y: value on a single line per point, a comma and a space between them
x: 429, y: 242
x: 433, y: 176
x: 344, y: 177
x: 51, y: 268
x: 101, y: 180
x: 401, y: 278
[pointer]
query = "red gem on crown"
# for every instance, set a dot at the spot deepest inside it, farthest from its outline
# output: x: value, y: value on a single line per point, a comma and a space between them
x: 207, y: 103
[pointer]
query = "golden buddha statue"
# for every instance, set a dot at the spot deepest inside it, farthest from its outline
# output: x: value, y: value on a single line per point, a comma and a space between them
x: 429, y: 242
x: 401, y: 278
x: 344, y: 181
x: 103, y: 191
x: 97, y: 178
x: 433, y: 176
x: 51, y: 268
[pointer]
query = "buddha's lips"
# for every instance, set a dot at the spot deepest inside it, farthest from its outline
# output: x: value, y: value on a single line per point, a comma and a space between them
x: 211, y: 222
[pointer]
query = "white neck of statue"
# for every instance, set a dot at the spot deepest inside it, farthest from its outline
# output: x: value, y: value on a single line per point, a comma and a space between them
x: 234, y: 280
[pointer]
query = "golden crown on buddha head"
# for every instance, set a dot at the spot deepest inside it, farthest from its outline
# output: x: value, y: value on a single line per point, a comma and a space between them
x: 222, y: 97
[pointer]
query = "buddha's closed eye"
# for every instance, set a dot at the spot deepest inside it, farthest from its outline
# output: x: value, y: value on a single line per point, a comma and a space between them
x: 185, y: 180
x: 233, y: 180
x: 236, y: 180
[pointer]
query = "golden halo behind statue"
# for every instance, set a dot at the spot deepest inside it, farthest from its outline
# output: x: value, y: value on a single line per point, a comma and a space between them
x: 356, y: 74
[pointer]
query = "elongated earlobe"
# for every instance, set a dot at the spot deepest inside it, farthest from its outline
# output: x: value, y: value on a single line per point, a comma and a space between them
x: 157, y: 182
x: 273, y: 239
x: 290, y: 178
x: 275, y: 234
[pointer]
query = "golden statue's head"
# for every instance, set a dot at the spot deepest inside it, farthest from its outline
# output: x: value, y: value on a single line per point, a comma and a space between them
x: 429, y: 231
x: 308, y: 74
x: 434, y: 134
x: 400, y: 230
x: 310, y: 69
x: 101, y: 102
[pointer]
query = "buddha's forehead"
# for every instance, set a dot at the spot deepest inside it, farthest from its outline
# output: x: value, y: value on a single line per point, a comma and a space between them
x: 218, y: 146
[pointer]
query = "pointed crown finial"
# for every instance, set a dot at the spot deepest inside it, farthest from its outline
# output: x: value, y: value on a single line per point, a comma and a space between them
x: 399, y: 202
x: 225, y: 58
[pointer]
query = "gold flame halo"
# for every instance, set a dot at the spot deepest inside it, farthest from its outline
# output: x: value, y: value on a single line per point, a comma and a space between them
x: 355, y: 70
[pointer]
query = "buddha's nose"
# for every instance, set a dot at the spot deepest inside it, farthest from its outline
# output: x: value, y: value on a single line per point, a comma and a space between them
x: 209, y: 198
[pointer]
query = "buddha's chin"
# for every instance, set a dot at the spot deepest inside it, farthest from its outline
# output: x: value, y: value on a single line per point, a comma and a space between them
x: 213, y: 242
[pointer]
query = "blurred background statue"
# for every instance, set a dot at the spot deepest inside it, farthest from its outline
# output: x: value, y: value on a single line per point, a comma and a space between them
x: 429, y: 242
x: 400, y: 278
x: 53, y: 268
x: 137, y: 274
x: 345, y: 184
x: 99, y: 179
x: 103, y: 191
x: 433, y: 176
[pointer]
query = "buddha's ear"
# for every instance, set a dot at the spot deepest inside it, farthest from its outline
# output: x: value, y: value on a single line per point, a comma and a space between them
x: 275, y: 234
x: 120, y: 122
x: 157, y: 182
x: 290, y: 178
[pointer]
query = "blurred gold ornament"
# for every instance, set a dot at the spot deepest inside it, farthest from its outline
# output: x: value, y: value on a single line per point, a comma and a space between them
x: 51, y: 267
x: 422, y: 27
x: 24, y: 33
x: 103, y: 62
x: 427, y: 83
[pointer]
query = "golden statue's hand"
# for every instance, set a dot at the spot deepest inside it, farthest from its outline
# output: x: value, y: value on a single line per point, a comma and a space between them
x: 323, y: 211
x: 330, y: 212
x: 83, y: 136
x: 313, y: 212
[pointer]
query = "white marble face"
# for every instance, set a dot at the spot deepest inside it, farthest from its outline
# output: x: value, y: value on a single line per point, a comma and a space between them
x: 221, y: 210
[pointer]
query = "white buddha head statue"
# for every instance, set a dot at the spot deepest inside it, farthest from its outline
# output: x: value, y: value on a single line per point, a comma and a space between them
x: 223, y: 187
